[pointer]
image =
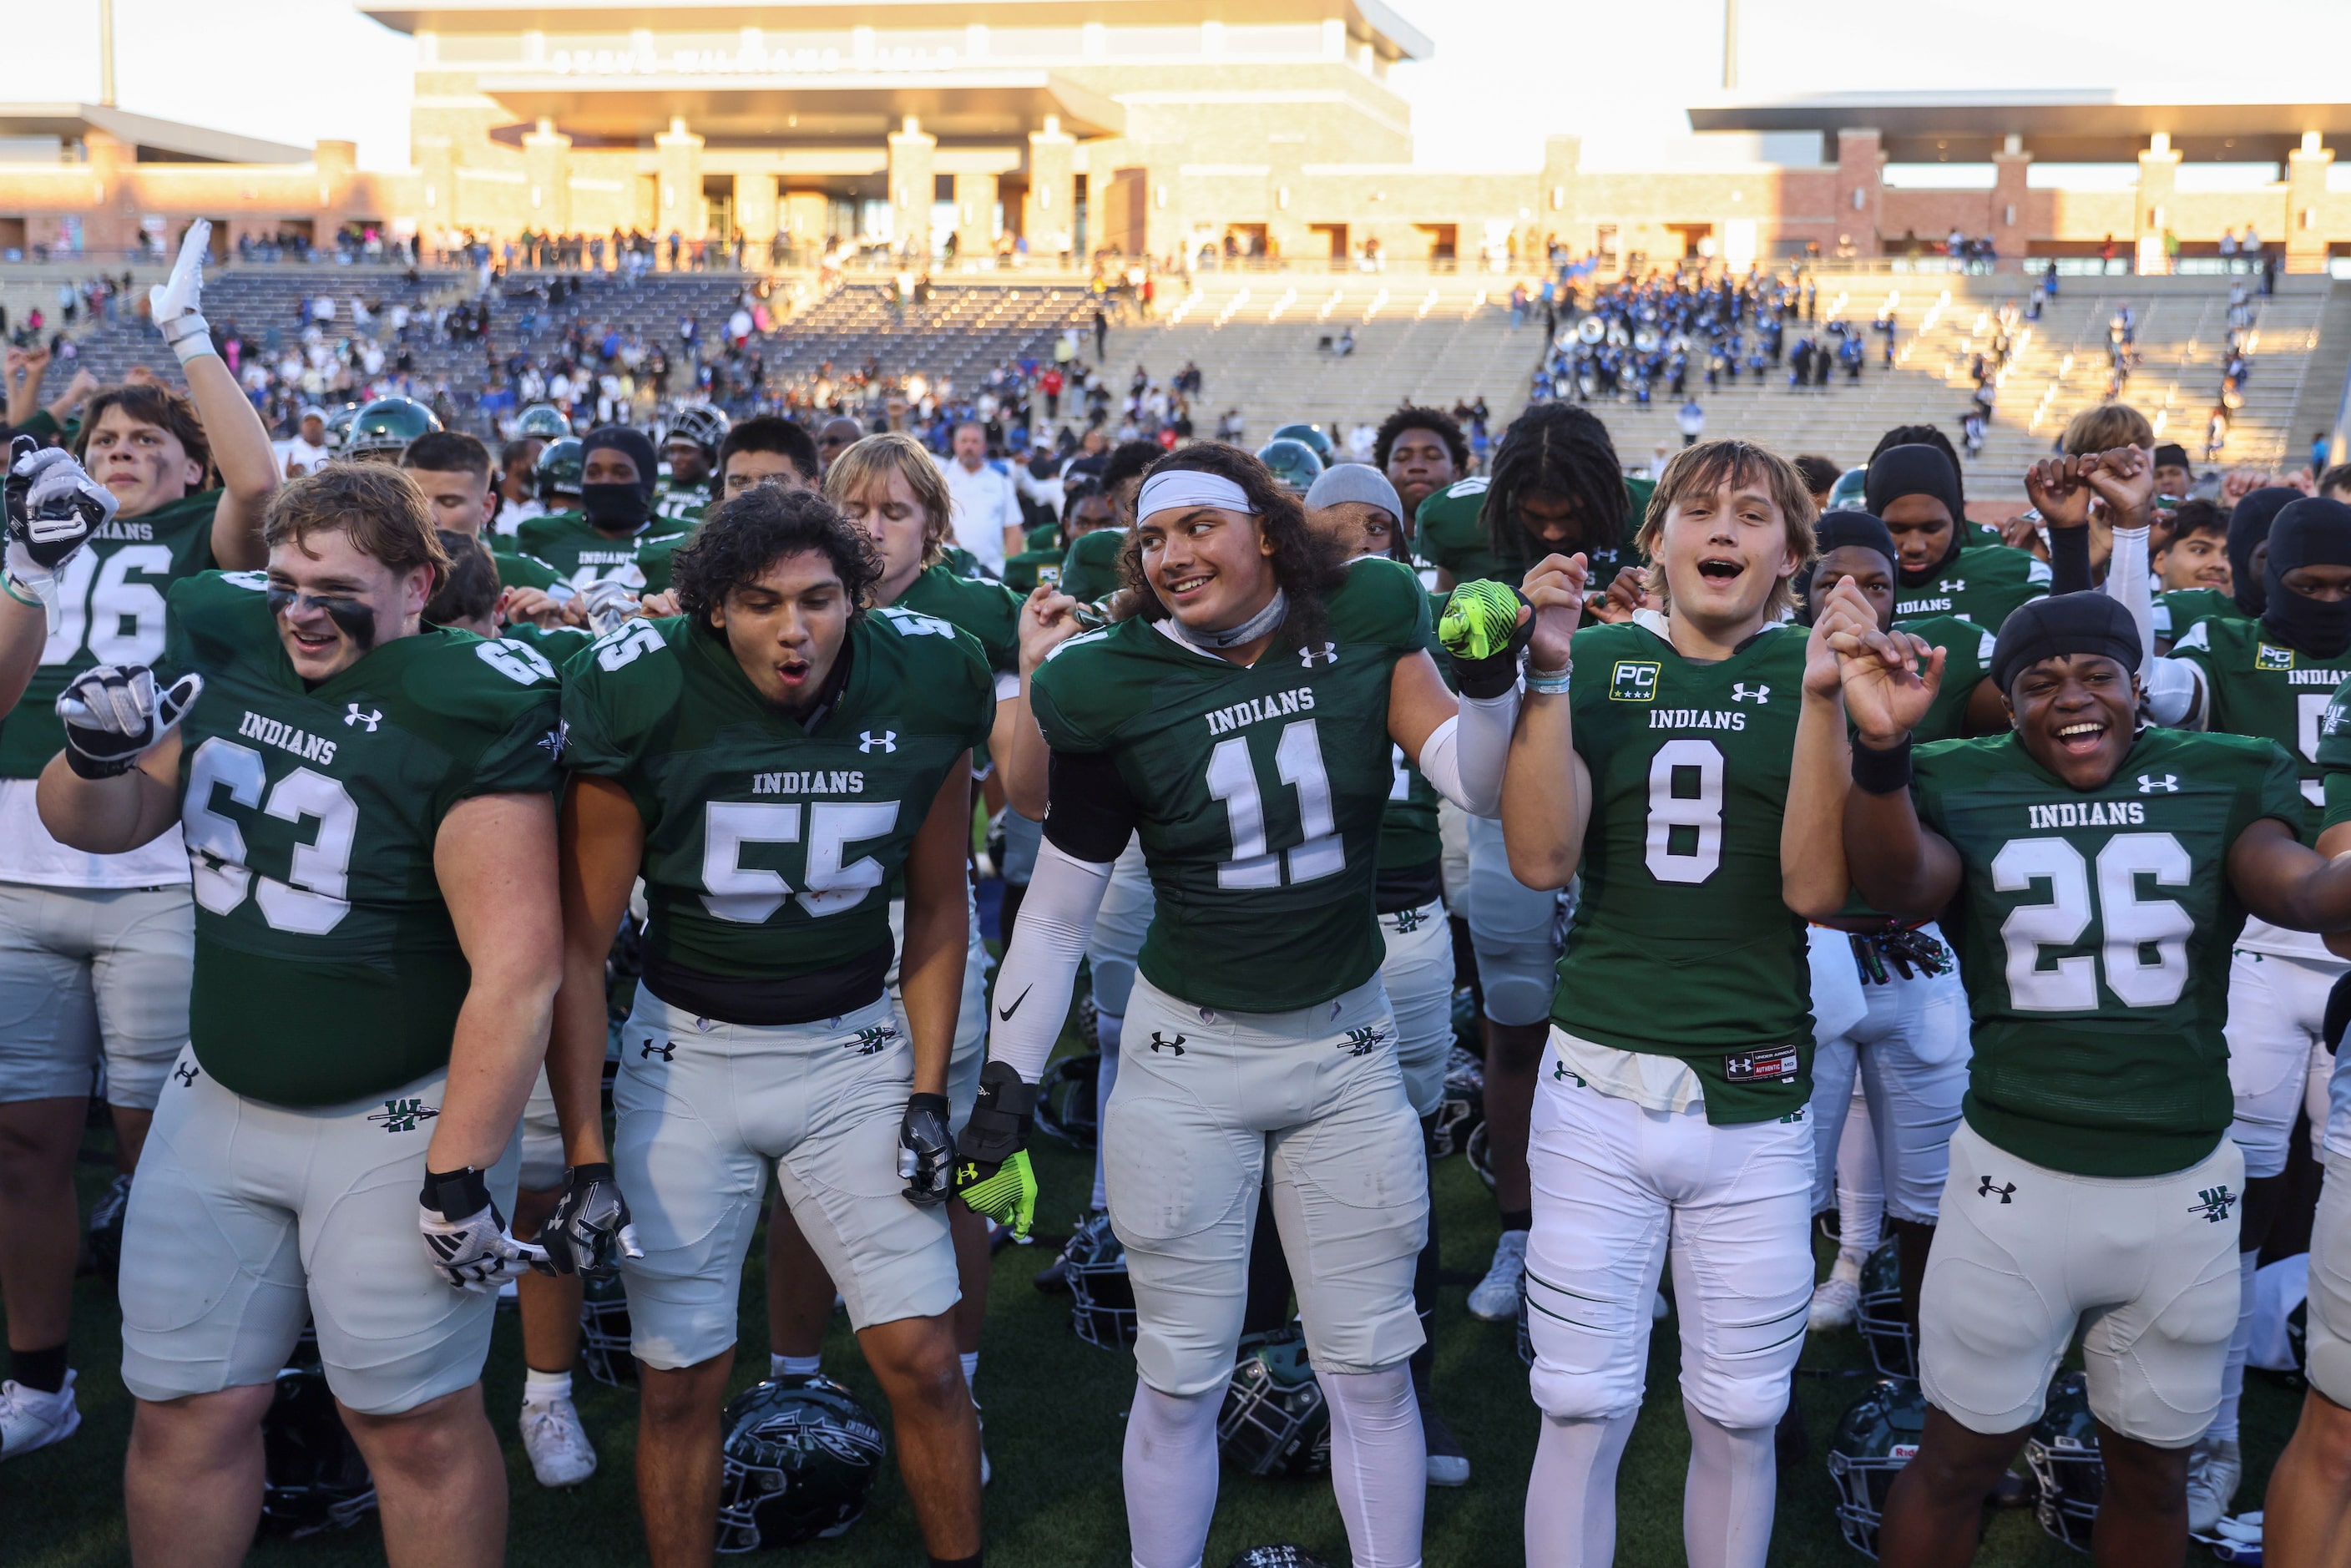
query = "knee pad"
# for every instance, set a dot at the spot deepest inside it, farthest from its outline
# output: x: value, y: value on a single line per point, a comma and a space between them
x: 1739, y: 1403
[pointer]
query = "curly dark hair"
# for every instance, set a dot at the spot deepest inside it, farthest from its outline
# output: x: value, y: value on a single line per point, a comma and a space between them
x: 746, y: 536
x: 1563, y: 449
x: 1927, y: 436
x: 1436, y: 422
x: 1306, y: 564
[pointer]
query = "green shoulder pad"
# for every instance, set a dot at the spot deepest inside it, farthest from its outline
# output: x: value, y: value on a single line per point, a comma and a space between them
x: 621, y: 695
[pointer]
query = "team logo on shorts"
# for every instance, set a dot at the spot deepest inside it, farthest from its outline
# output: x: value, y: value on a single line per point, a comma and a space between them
x: 1175, y: 1045
x: 403, y: 1115
x: 1985, y: 1188
x: 1360, y: 1042
x: 187, y: 1073
x: 664, y: 1048
x: 1632, y: 682
x: 2214, y: 1203
x: 1762, y: 1066
x: 1560, y: 1074
x: 869, y: 1040
x: 1407, y: 921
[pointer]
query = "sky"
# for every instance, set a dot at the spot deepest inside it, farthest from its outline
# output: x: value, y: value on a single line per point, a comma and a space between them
x: 1504, y: 74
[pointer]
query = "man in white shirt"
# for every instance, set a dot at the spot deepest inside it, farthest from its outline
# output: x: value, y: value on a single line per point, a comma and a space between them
x: 306, y: 451
x: 986, y: 508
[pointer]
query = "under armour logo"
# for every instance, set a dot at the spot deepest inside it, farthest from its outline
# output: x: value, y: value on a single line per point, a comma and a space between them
x: 1175, y: 1045
x: 403, y: 1115
x: 1328, y: 654
x: 869, y: 1040
x: 371, y: 719
x: 1560, y: 1074
x: 1740, y: 694
x: 1359, y: 1041
x: 2213, y: 1203
x: 1408, y: 921
x: 887, y: 740
x: 1986, y: 1189
x: 2149, y: 784
x: 187, y: 1074
x: 666, y: 1049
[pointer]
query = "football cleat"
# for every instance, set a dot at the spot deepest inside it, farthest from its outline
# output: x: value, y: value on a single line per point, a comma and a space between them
x: 30, y: 1419
x: 560, y: 1454
x: 2214, y: 1468
x: 1495, y: 1298
x: 1833, y: 1300
x: 1448, y: 1465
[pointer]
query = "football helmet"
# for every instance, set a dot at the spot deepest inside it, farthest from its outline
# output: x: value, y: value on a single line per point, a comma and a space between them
x: 1878, y: 1435
x: 542, y: 420
x: 339, y: 425
x: 1065, y: 1100
x: 385, y: 427
x: 1313, y: 437
x: 1480, y: 1150
x: 2063, y: 1454
x: 1275, y: 1420
x: 1850, y: 490
x: 701, y: 424
x: 557, y: 471
x: 604, y: 1331
x: 801, y: 1457
x: 1893, y: 1342
x: 1102, y: 1296
x: 1462, y: 1111
x: 1295, y: 467
x: 314, y: 1477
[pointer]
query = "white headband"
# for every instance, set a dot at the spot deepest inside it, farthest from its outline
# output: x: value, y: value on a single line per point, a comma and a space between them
x: 1179, y: 488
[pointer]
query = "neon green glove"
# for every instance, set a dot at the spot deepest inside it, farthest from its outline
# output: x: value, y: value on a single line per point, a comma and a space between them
x: 1006, y: 1193
x: 1480, y: 619
x: 991, y: 1172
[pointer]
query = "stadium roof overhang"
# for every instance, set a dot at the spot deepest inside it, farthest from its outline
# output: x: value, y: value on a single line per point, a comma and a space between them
x: 953, y: 106
x: 2088, y: 125
x: 1395, y: 38
x: 165, y: 140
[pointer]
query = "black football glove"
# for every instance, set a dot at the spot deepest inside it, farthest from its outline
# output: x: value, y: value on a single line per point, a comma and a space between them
x: 991, y: 1172
x: 589, y: 1229
x: 926, y: 1150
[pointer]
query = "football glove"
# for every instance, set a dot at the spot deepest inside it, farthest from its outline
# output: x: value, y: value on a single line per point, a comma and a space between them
x: 52, y: 509
x: 1482, y: 632
x: 609, y: 603
x: 175, y: 303
x: 991, y: 1173
x: 589, y: 1229
x: 113, y: 711
x: 467, y: 1237
x: 926, y: 1150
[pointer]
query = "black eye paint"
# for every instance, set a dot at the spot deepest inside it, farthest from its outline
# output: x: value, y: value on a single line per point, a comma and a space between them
x: 354, y: 619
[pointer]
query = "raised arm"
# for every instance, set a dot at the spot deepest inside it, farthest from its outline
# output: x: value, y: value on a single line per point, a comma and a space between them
x: 1813, y: 880
x: 1546, y: 787
x: 239, y: 442
x: 1893, y: 860
x: 1047, y: 620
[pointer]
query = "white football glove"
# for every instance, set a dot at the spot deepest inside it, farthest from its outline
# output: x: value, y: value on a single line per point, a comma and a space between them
x: 176, y: 302
x: 113, y: 713
x: 467, y: 1237
x: 608, y: 603
x: 52, y: 509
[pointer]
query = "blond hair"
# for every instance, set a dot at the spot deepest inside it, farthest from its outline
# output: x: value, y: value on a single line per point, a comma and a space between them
x: 2105, y: 428
x: 379, y: 505
x: 871, y: 461
x: 1705, y: 467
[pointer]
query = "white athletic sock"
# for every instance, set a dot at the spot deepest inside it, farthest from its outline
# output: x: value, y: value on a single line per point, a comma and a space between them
x: 1379, y: 1463
x: 1861, y: 1187
x: 1170, y: 1475
x: 795, y: 1365
x: 2240, y: 1344
x: 1728, y: 1501
x: 1106, y: 1028
x: 545, y: 1387
x: 971, y: 1373
x: 1572, y: 1495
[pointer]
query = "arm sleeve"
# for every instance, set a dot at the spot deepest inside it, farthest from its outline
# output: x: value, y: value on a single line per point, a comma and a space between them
x: 1089, y: 811
x: 2069, y: 560
x: 1057, y: 921
x: 2175, y: 693
x: 2126, y: 583
x: 1463, y: 758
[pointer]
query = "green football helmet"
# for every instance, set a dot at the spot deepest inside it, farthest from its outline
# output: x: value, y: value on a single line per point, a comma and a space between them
x: 604, y: 1331
x: 1065, y: 1100
x: 1101, y: 1295
x: 1275, y: 1420
x: 339, y: 425
x: 2063, y: 1454
x: 384, y: 428
x: 1878, y: 1435
x: 1893, y: 1342
x: 1295, y: 467
x: 1463, y: 1109
x: 313, y: 1476
x: 701, y: 424
x: 1312, y: 435
x: 557, y: 470
x: 542, y: 420
x: 1851, y: 491
x: 800, y: 1459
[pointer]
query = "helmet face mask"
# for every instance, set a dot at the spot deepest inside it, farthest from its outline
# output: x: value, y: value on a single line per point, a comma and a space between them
x: 1463, y: 1109
x: 384, y: 429
x: 605, y: 1332
x: 1876, y: 1437
x: 1065, y: 1100
x: 1275, y: 1420
x: 800, y: 1460
x: 314, y: 1477
x: 1893, y: 1342
x: 1101, y: 1296
x: 2064, y: 1454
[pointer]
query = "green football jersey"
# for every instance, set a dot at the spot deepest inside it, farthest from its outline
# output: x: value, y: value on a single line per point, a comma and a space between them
x: 676, y: 506
x: 655, y: 555
x: 1409, y: 835
x: 1449, y: 531
x: 1260, y: 789
x: 326, y: 968
x: 557, y: 644
x: 1681, y: 945
x: 989, y: 611
x: 2256, y: 686
x: 1967, y: 660
x: 2093, y: 929
x: 110, y: 611
x: 581, y: 554
x: 1090, y: 572
x: 770, y: 847
x: 2182, y: 607
x: 526, y: 572
x: 1983, y: 583
x: 961, y: 561
x: 2335, y: 758
x: 1024, y: 571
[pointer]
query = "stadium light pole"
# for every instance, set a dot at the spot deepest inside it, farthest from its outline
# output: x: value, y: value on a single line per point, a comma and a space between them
x: 1729, y: 45
x: 106, y: 53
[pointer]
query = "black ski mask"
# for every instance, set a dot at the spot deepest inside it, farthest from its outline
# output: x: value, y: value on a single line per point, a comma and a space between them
x: 2249, y: 528
x: 2309, y: 532
x: 619, y: 508
x: 1919, y: 470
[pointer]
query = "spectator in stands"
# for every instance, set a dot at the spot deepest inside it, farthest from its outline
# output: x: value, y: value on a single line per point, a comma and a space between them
x: 986, y: 516
x: 2174, y: 475
x: 2322, y: 447
x: 306, y: 451
x: 1692, y: 422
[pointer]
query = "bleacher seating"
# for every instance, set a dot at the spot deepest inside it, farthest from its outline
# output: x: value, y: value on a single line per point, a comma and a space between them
x: 963, y: 331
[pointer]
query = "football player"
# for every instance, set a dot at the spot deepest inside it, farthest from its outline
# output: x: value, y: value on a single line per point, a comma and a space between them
x: 770, y: 761
x: 762, y: 450
x: 1663, y: 782
x: 1916, y: 490
x: 452, y: 469
x: 2096, y: 873
x: 1422, y: 451
x: 95, y: 951
x: 1240, y: 720
x: 693, y: 450
x: 369, y: 808
x: 598, y: 542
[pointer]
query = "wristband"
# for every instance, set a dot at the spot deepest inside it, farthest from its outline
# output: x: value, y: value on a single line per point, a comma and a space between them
x: 938, y: 1103
x: 456, y: 1195
x: 17, y: 587
x: 581, y: 1175
x: 87, y: 766
x: 996, y: 1129
x: 1548, y: 682
x: 189, y: 336
x: 1876, y: 772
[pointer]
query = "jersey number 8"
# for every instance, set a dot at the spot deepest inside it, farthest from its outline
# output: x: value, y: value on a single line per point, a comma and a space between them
x: 1693, y: 854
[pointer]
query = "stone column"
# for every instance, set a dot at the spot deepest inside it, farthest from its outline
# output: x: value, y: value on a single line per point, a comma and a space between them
x: 677, y: 201
x: 974, y: 198
x: 338, y: 163
x: 911, y: 180
x: 2305, y: 192
x: 1861, y: 189
x: 2158, y: 171
x: 755, y: 213
x: 547, y: 179
x: 436, y: 188
x: 1049, y: 213
x: 2012, y: 220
